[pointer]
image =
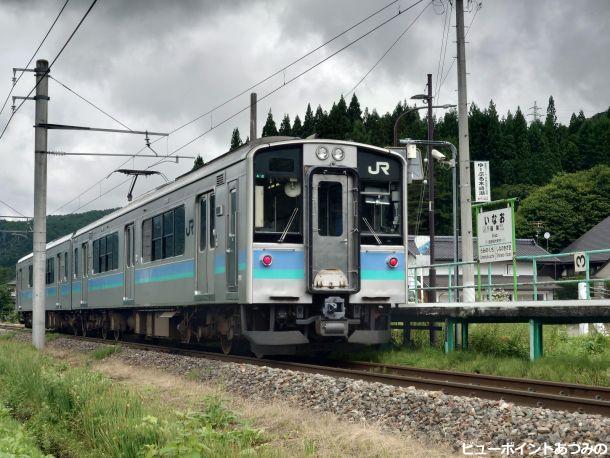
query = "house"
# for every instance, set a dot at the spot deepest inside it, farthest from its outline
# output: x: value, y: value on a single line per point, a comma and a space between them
x: 501, y: 273
x: 596, y: 238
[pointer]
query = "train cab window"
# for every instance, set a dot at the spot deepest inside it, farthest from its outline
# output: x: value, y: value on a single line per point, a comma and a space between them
x: 50, y: 271
x: 330, y: 209
x: 106, y: 253
x: 278, y: 200
x: 30, y: 276
x: 212, y: 204
x: 163, y: 235
x: 380, y: 199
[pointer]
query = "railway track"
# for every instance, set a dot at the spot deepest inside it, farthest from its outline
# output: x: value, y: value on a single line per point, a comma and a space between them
x: 537, y: 393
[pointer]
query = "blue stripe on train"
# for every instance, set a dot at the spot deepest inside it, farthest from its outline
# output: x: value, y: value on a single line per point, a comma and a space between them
x: 166, y: 272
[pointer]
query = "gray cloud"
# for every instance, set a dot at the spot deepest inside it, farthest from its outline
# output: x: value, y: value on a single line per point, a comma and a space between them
x: 157, y: 64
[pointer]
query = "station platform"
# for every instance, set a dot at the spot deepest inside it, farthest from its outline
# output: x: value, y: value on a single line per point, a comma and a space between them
x: 458, y: 315
x: 549, y: 312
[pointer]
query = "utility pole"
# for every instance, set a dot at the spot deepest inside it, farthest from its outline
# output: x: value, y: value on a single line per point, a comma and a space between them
x: 252, y: 116
x: 464, y: 159
x: 40, y: 204
x: 432, y: 270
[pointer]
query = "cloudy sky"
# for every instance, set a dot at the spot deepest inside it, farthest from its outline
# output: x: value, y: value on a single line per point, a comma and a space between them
x: 155, y: 65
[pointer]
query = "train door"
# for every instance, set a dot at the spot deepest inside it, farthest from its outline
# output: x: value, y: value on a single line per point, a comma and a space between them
x: 231, y: 264
x: 334, y: 243
x: 84, y: 289
x: 129, y: 279
x: 206, y: 244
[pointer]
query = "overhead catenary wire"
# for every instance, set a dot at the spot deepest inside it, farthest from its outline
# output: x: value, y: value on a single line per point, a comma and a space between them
x: 50, y: 66
x: 402, y: 34
x: 268, y: 94
x: 252, y: 86
x: 12, y: 208
x: 90, y: 102
x: 477, y: 8
x: 33, y: 55
x: 443, y: 52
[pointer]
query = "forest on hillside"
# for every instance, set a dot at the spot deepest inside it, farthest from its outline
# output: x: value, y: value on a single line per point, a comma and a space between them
x: 15, y: 245
x: 524, y: 158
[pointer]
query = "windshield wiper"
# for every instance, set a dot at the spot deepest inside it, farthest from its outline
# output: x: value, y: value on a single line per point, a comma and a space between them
x: 366, y: 221
x: 288, y: 224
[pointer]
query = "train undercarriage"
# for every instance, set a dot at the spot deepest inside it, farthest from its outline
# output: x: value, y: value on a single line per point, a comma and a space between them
x: 264, y: 329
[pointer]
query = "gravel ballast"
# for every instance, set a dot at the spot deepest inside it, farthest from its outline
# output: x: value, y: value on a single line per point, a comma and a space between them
x: 428, y: 415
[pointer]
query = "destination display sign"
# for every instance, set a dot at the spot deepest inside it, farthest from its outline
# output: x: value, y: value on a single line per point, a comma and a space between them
x: 495, y: 235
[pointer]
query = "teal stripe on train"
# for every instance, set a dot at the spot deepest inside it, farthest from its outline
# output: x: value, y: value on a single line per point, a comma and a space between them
x: 107, y: 282
x: 166, y: 272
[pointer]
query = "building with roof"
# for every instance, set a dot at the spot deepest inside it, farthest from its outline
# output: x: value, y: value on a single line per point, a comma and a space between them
x: 501, y: 273
x: 596, y: 238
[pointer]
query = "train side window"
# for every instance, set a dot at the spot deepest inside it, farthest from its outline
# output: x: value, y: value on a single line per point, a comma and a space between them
x: 66, y: 266
x: 203, y: 222
x: 50, y: 271
x: 212, y: 221
x: 146, y: 240
x: 179, y: 230
x: 106, y: 253
x: 30, y: 276
x: 76, y: 262
x: 163, y: 235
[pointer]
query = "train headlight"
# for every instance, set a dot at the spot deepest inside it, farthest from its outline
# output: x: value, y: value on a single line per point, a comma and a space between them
x: 338, y: 154
x: 392, y: 262
x: 266, y: 260
x: 322, y: 153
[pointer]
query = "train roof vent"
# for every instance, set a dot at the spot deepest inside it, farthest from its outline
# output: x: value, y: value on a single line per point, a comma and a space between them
x: 220, y: 179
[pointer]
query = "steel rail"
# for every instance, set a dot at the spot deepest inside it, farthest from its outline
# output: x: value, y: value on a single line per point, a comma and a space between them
x: 536, y: 393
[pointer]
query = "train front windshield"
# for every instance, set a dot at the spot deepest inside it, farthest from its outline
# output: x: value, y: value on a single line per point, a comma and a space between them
x: 278, y: 200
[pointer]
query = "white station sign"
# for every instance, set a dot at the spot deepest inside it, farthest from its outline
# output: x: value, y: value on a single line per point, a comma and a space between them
x: 482, y: 186
x: 495, y: 235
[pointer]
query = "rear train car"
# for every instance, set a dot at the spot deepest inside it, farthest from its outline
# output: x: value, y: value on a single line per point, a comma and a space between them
x: 289, y: 245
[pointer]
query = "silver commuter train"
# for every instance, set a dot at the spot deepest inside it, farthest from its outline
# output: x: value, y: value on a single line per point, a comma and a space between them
x: 291, y: 245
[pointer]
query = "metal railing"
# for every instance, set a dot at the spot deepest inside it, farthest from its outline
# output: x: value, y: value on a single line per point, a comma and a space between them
x: 486, y: 288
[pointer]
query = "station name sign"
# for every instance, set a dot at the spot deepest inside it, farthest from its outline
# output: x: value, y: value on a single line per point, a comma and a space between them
x: 495, y: 235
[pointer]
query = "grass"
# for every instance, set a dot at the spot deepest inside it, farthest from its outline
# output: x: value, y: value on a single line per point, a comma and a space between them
x: 14, y: 440
x: 75, y: 412
x: 105, y: 351
x: 503, y: 349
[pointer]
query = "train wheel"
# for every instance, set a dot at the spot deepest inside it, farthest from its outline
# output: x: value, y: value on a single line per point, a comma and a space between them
x: 186, y: 336
x: 226, y: 344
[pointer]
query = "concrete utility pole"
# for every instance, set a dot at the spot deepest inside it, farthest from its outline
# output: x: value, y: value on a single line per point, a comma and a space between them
x: 464, y: 151
x: 252, y: 116
x: 431, y: 224
x: 40, y: 204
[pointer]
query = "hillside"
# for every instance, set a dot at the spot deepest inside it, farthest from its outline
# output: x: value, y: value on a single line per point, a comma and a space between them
x: 13, y: 246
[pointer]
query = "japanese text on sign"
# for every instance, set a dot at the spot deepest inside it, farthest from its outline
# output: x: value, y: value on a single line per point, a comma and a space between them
x: 481, y: 180
x: 495, y: 235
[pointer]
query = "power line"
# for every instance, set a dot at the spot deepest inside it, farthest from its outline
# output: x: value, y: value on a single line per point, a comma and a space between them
x: 268, y: 94
x: 210, y: 111
x: 477, y: 8
x: 50, y: 65
x: 392, y: 45
x: 89, y: 102
x: 12, y: 208
x: 444, y: 52
x: 15, y: 81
